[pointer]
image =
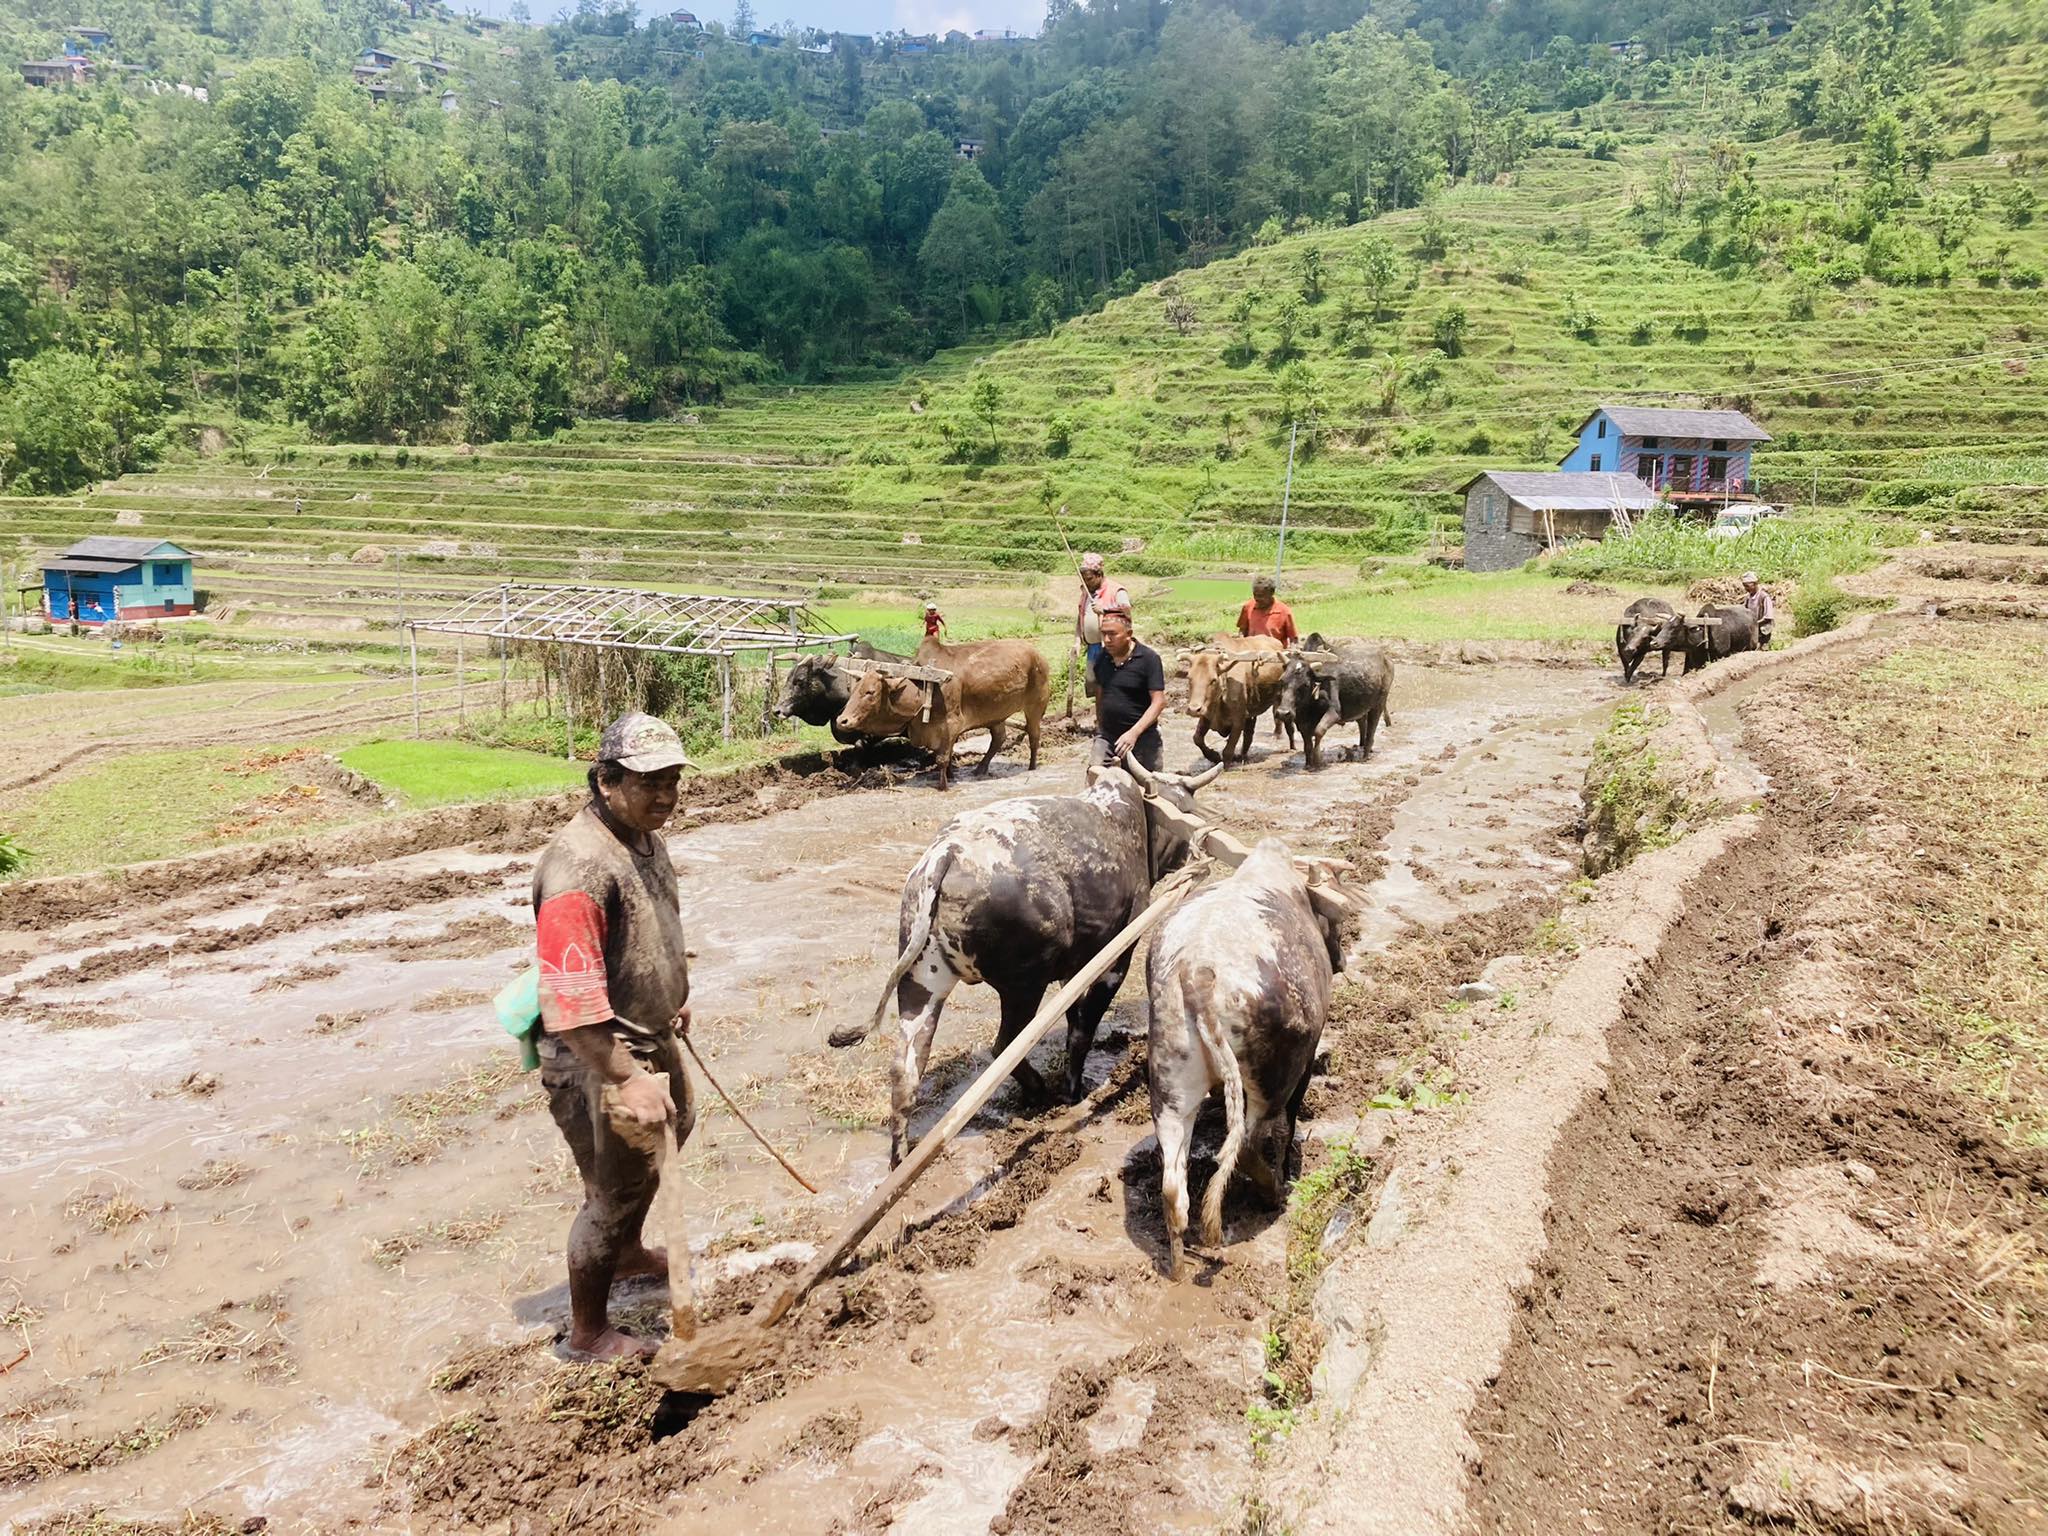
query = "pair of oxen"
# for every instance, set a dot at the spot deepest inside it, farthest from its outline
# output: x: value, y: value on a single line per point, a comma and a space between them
x: 1023, y: 893
x: 1715, y: 632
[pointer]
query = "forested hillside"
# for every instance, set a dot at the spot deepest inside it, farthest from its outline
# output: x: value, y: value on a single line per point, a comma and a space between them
x: 592, y: 218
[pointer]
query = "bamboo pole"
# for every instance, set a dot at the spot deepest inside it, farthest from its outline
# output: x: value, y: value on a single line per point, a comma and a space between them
x: 412, y: 645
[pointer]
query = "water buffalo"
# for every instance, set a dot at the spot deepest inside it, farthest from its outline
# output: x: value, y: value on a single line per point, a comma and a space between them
x: 1021, y: 894
x: 1716, y: 633
x: 817, y: 690
x: 992, y: 680
x: 1231, y: 682
x: 1239, y: 979
x: 1638, y: 633
x: 1334, y: 683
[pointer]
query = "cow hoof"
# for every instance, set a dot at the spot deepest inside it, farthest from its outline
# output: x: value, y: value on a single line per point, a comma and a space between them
x: 847, y: 1034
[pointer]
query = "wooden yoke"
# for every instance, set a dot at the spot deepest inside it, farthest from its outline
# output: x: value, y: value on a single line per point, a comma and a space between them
x: 1320, y: 871
x: 909, y: 670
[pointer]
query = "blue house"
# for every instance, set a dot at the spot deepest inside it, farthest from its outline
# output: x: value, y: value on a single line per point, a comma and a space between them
x: 104, y: 580
x: 764, y: 39
x: 1688, y: 456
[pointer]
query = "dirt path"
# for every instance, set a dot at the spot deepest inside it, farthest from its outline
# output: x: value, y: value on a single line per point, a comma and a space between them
x: 270, y: 1172
x: 1795, y: 1250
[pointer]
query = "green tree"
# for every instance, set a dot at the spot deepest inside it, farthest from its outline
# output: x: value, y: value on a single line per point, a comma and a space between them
x: 964, y: 246
x: 1287, y: 323
x: 63, y: 422
x: 1447, y: 329
x: 985, y: 398
x: 1310, y: 267
x: 1380, y: 270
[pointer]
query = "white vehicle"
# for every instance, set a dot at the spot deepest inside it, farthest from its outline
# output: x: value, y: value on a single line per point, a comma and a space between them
x: 1732, y: 522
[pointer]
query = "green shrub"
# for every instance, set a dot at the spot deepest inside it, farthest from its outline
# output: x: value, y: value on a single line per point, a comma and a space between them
x: 1663, y: 548
x: 1818, y: 605
x: 2025, y: 277
x: 13, y: 857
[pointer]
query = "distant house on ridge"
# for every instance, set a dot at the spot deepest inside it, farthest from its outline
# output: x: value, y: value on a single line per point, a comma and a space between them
x: 106, y: 580
x: 764, y: 39
x: 1691, y: 456
x: 968, y: 149
x: 65, y: 71
x: 1512, y: 516
x: 685, y: 19
x: 379, y: 58
x: 93, y: 37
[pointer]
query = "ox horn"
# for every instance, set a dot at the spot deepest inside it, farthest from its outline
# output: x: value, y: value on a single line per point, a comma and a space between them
x: 1317, y: 658
x: 1137, y: 770
x: 1203, y: 779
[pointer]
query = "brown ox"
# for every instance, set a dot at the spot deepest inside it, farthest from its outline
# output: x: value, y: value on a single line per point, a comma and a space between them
x: 992, y: 680
x: 1231, y: 682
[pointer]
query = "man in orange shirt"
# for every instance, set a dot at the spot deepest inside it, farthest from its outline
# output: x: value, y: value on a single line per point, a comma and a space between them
x: 1266, y: 615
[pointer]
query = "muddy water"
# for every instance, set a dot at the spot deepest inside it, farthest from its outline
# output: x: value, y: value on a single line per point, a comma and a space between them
x: 311, y: 1299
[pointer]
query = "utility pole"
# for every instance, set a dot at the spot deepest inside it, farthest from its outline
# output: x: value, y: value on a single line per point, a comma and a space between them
x: 398, y: 574
x: 1813, y: 499
x: 1286, y: 495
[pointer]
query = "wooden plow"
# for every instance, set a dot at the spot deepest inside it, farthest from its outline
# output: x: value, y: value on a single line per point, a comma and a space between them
x: 710, y: 1362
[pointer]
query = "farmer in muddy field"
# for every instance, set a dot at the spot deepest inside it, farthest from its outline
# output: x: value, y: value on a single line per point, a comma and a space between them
x: 1130, y: 695
x: 1099, y: 595
x: 1266, y: 615
x: 614, y: 994
x: 1757, y: 599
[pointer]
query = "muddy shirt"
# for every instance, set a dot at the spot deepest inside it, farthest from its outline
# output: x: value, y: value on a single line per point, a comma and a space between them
x: 610, y: 936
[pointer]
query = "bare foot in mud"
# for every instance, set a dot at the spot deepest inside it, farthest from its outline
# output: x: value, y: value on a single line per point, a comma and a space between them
x: 609, y: 1345
x: 642, y: 1264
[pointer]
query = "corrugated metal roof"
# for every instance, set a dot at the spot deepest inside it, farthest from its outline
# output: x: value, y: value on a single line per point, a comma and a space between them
x: 90, y: 567
x: 1656, y: 421
x: 111, y: 547
x: 1559, y: 490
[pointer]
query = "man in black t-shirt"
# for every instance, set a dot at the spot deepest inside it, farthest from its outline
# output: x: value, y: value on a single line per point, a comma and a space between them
x: 1130, y: 695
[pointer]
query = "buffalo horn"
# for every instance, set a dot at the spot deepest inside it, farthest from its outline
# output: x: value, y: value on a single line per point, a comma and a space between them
x: 1137, y: 770
x: 1317, y: 658
x: 1203, y: 779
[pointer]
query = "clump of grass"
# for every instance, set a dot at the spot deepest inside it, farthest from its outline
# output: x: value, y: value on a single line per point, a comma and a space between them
x: 215, y: 1173
x: 457, y: 1233
x: 31, y: 1457
x: 1818, y: 605
x: 1294, y: 1341
x: 424, y: 1123
x: 1632, y: 805
x: 103, y: 1209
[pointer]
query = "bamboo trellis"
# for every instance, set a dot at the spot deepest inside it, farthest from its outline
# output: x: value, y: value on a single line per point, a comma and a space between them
x: 722, y: 625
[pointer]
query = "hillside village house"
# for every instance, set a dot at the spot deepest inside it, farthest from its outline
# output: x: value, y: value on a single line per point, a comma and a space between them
x: 106, y: 580
x: 1512, y: 516
x: 1627, y: 460
x: 65, y: 71
x: 1698, y: 457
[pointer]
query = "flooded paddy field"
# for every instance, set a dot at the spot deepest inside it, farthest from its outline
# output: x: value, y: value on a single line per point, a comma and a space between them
x: 284, y: 1221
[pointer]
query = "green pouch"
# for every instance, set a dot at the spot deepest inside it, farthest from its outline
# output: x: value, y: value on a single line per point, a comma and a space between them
x: 518, y: 1009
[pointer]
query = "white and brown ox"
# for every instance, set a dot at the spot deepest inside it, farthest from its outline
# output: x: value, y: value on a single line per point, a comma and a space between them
x: 1240, y: 980
x: 1231, y: 682
x: 992, y: 680
x: 1022, y: 894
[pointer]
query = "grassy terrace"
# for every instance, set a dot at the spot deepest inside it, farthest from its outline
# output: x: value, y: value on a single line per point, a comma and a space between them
x: 1177, y: 452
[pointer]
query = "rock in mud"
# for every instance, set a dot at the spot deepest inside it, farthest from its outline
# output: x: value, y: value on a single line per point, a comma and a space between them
x: 1476, y: 992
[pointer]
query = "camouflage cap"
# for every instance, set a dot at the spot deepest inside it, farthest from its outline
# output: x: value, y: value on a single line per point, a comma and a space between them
x: 643, y: 744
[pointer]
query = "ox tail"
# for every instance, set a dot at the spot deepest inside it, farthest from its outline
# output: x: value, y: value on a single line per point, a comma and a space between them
x: 920, y: 934
x: 1224, y: 1060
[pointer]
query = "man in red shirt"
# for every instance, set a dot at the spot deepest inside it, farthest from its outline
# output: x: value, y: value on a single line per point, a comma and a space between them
x: 934, y: 621
x: 1267, y: 615
x: 614, y: 994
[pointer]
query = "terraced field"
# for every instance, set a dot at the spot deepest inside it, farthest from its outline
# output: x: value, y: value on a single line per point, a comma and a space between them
x: 1922, y: 401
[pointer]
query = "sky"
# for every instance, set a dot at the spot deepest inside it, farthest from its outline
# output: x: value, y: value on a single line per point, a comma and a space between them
x: 870, y: 16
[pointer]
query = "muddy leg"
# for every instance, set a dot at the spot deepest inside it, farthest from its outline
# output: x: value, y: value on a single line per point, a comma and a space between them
x: 1172, y: 1124
x: 1202, y: 741
x: 1018, y: 1008
x: 945, y: 765
x: 997, y: 735
x: 1033, y: 725
x: 919, y: 998
x: 618, y: 1187
x: 1083, y: 1019
x: 1264, y: 1165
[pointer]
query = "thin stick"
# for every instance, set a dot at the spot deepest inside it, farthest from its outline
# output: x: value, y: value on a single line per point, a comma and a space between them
x: 740, y: 1115
x: 10, y: 1365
